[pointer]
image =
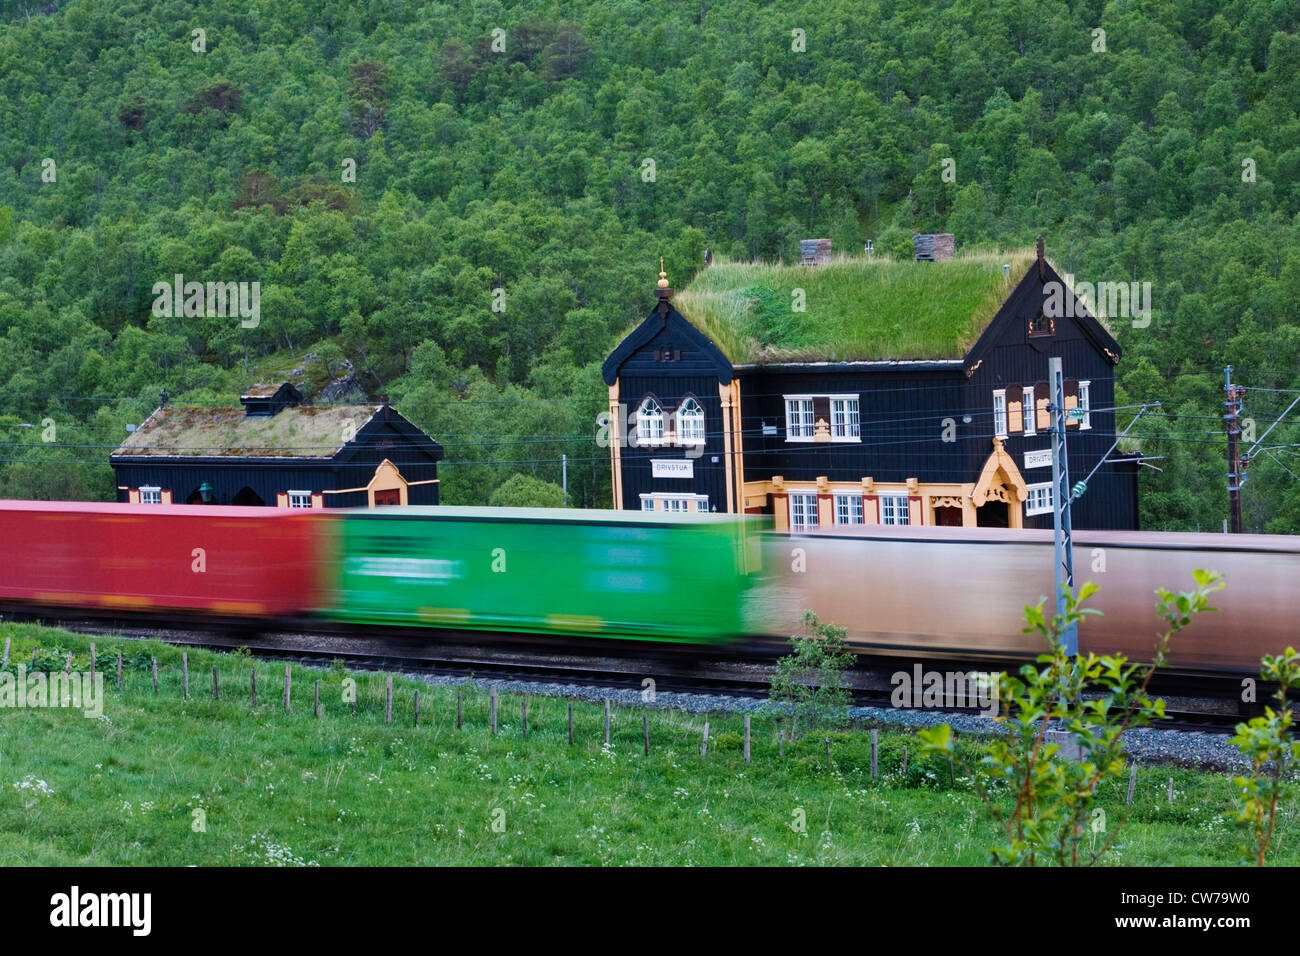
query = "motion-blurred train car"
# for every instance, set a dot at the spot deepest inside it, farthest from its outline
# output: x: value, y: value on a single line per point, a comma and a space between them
x: 650, y: 576
x: 962, y: 592
x: 226, y: 562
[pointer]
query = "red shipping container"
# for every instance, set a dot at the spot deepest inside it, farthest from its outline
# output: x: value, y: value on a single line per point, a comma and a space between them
x: 230, y: 561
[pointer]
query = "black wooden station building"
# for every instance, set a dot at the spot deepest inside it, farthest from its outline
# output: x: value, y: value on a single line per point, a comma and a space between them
x: 872, y: 424
x: 274, y: 450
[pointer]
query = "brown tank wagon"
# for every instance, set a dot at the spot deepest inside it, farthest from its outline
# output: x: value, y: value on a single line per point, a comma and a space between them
x: 962, y: 592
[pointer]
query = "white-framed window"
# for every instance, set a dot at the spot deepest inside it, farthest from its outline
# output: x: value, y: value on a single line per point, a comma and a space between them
x: 300, y: 499
x: 1084, y: 388
x: 1000, y: 413
x: 1038, y: 498
x: 675, y: 503
x: 803, y: 511
x: 845, y: 424
x: 799, y: 422
x: 150, y: 495
x: 894, y: 510
x: 1029, y: 410
x: 690, y: 423
x: 848, y: 509
x: 650, y: 423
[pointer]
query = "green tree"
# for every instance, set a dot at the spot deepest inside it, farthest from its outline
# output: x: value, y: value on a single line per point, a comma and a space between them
x: 525, y: 491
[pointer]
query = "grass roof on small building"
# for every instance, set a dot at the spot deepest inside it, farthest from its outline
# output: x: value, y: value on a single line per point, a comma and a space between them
x: 304, y: 431
x: 855, y: 310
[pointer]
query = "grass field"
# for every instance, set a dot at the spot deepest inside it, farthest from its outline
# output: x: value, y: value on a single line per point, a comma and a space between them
x: 162, y: 780
x: 852, y: 309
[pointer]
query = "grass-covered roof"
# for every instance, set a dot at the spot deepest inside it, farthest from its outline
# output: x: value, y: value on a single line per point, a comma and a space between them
x: 305, y: 431
x: 855, y: 310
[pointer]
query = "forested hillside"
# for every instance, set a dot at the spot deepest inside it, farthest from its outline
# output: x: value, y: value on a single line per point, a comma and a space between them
x: 383, y: 168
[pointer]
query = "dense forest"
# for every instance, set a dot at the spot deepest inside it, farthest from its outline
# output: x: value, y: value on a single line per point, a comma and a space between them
x: 462, y: 205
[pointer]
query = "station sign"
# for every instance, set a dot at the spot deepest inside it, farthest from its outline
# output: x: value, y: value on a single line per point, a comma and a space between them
x: 1038, y: 459
x: 672, y: 468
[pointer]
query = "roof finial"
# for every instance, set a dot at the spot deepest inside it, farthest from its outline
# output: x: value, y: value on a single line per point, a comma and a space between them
x: 662, y: 292
x: 1042, y: 270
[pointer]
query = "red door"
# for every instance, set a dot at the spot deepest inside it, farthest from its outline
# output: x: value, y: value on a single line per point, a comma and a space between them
x: 947, y: 517
x: 388, y: 496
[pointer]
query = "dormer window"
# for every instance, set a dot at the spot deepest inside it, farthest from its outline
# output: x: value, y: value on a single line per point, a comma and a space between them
x: 690, y: 423
x: 650, y: 423
x: 1042, y: 324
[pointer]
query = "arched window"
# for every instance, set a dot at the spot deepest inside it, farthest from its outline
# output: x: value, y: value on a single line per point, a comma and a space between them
x: 690, y: 423
x: 650, y: 423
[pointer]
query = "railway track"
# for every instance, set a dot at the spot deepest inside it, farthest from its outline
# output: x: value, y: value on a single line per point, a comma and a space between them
x: 1194, y: 702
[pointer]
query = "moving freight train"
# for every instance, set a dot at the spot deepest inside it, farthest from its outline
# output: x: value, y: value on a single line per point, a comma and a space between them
x: 630, y: 575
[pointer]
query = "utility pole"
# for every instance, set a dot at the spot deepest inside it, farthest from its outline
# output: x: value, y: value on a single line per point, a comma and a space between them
x: 1064, y: 550
x: 564, y: 477
x: 1231, y: 417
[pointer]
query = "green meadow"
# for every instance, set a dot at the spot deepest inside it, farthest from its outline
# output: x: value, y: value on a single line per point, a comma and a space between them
x: 160, y: 780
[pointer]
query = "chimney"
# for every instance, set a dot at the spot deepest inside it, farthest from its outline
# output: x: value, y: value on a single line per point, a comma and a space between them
x: 814, y: 252
x: 933, y: 247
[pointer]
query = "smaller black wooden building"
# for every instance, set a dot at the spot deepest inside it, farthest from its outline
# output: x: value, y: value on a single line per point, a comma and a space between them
x: 276, y: 451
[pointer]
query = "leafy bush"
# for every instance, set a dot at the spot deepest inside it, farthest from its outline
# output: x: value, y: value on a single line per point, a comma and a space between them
x: 525, y: 491
x: 811, y: 679
x: 1095, y: 699
x: 1268, y: 744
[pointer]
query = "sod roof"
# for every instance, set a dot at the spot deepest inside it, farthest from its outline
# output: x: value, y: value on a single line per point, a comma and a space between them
x: 854, y: 310
x: 304, y: 431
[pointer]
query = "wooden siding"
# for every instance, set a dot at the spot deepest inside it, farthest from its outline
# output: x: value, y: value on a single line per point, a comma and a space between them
x: 1010, y: 358
x: 670, y: 390
x: 901, y: 414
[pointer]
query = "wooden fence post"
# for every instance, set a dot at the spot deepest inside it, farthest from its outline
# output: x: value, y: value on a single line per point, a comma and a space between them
x: 1171, y: 789
x: 875, y: 742
x: 1132, y: 781
x: 523, y: 714
x: 493, y: 696
x: 780, y: 736
x: 828, y: 753
x: 252, y: 683
x: 216, y: 694
x: 315, y: 704
x: 155, y: 675
x: 904, y: 761
x: 388, y: 699
x: 286, y: 686
x: 119, y: 670
x: 67, y: 665
x: 458, y: 710
x: 570, y: 723
x: 92, y: 658
x: 606, y: 721
x: 6, y: 660
x: 645, y: 731
x: 747, y: 738
x: 185, y: 673
x: 417, y: 708
x: 704, y: 747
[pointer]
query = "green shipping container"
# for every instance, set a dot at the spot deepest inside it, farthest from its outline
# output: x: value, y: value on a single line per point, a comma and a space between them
x: 617, y: 574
